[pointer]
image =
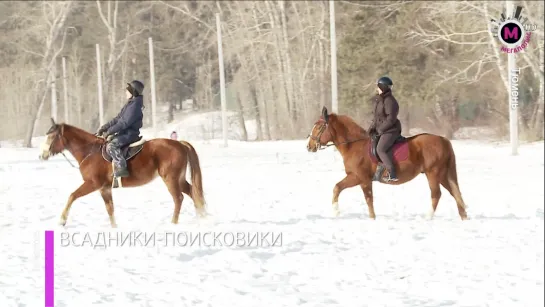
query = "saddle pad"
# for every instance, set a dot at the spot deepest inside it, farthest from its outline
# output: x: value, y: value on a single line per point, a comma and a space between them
x: 400, y: 152
x: 126, y: 151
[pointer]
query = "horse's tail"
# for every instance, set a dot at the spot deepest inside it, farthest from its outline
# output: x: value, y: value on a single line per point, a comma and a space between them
x: 452, y: 177
x: 196, y: 178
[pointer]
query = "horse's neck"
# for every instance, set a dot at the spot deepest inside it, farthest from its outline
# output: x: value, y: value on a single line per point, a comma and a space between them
x: 347, y: 136
x: 80, y: 144
x: 350, y: 139
x: 347, y: 132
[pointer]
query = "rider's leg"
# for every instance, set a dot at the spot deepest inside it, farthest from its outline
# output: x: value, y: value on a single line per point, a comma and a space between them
x: 380, y: 167
x: 385, y: 153
x: 114, y: 150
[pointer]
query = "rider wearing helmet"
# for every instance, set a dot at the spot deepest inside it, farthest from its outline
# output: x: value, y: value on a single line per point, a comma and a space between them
x: 124, y: 129
x: 385, y: 126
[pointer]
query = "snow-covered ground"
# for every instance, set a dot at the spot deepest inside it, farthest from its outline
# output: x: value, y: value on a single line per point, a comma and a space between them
x: 400, y: 259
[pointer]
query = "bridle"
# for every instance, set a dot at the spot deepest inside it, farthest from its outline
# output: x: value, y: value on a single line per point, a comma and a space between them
x: 66, y: 145
x: 323, y: 126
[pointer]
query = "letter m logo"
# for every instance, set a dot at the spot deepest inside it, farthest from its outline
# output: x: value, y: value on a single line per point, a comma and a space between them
x: 510, y: 33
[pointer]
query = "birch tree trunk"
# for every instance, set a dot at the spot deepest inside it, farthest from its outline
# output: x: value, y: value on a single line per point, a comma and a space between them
x: 56, y: 15
x: 281, y: 67
x: 284, y: 49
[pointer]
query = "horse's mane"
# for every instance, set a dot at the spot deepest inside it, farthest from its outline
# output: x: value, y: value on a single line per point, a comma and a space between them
x: 76, y: 131
x: 350, y: 127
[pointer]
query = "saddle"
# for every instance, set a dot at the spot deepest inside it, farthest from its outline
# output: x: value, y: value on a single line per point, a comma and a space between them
x: 400, y: 149
x: 127, y: 151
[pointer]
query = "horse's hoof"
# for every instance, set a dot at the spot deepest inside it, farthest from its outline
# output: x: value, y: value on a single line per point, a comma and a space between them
x: 62, y: 222
x: 430, y: 215
x: 336, y: 211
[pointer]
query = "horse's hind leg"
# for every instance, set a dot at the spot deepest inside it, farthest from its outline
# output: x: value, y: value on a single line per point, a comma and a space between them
x: 106, y: 193
x: 171, y: 181
x: 452, y: 187
x: 367, y: 189
x: 83, y: 190
x: 433, y: 181
x: 349, y: 181
x: 186, y: 189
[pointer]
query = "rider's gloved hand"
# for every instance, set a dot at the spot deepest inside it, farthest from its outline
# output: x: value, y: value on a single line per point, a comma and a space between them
x: 100, y: 131
x: 107, y: 136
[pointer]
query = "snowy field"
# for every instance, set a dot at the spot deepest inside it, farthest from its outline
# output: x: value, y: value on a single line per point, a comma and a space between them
x: 400, y: 259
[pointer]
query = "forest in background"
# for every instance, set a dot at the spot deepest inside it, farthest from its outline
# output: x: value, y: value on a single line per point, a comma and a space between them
x: 447, y: 67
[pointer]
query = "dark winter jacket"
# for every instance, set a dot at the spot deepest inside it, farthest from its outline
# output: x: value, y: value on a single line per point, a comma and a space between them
x: 385, y: 118
x: 128, y: 122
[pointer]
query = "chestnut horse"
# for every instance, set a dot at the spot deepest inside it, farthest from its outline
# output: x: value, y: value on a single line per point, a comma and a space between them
x: 423, y: 153
x: 164, y: 157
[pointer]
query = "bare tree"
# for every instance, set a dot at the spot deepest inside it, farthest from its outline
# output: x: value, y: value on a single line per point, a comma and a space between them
x: 118, y: 43
x: 448, y: 68
x: 48, y: 28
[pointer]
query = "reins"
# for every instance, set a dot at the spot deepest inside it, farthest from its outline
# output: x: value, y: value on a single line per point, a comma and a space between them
x: 321, y: 147
x: 62, y: 153
x: 343, y: 143
x: 93, y: 150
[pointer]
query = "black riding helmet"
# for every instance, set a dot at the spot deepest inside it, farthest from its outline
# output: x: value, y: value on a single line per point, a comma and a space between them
x: 385, y: 84
x: 135, y: 87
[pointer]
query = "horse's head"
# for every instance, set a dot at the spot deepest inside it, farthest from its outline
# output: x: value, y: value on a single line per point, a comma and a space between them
x: 320, y: 134
x: 54, y: 142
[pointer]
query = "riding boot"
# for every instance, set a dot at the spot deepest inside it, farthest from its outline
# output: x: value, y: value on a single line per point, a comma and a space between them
x: 120, y: 166
x: 120, y: 163
x: 121, y: 172
x: 378, y: 172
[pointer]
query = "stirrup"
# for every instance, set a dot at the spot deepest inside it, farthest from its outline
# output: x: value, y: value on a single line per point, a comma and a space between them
x: 116, y: 181
x: 390, y: 179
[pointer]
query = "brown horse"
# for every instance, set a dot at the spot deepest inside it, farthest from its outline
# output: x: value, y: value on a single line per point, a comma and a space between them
x: 423, y: 153
x: 146, y: 159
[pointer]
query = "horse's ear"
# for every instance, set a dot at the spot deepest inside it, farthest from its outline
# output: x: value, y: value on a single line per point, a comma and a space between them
x: 324, y: 114
x: 53, y: 126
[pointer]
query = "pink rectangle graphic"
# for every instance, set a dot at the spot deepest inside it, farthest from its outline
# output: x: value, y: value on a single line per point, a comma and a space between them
x: 49, y: 268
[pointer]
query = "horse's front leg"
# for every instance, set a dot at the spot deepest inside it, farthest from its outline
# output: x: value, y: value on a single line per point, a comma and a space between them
x: 106, y: 193
x: 367, y: 188
x: 351, y: 180
x: 84, y: 189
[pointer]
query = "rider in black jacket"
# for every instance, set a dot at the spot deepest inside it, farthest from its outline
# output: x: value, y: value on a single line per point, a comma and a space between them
x: 124, y: 129
x: 386, y: 126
